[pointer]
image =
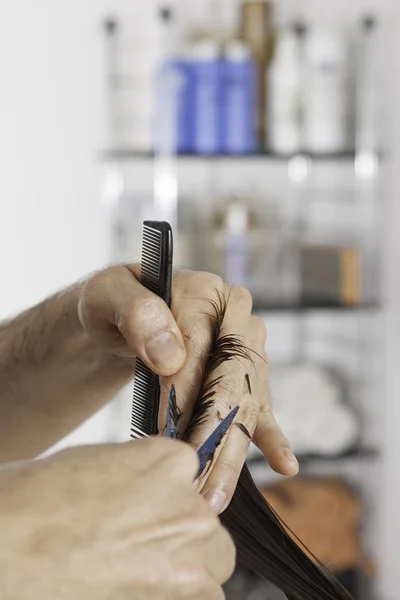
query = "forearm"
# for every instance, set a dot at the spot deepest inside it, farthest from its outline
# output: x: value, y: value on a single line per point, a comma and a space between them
x: 52, y: 376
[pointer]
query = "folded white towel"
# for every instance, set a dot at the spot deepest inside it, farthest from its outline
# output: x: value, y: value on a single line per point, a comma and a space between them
x: 308, y: 406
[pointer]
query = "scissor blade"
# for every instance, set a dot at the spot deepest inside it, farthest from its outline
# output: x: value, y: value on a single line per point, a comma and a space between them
x: 207, y: 450
x: 173, y: 416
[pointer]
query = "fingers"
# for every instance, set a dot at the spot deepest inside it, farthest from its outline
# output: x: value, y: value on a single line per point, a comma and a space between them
x: 244, y: 382
x: 240, y: 381
x: 274, y: 445
x: 210, y: 544
x: 192, y: 294
x: 129, y: 320
x: 118, y: 312
x: 174, y: 457
x: 221, y: 483
x: 183, y: 462
x: 219, y: 555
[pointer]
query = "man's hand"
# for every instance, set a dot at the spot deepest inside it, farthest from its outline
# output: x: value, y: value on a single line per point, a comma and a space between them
x: 121, y: 315
x: 117, y: 521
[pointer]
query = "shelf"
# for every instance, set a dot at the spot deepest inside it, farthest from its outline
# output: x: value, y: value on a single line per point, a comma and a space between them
x: 132, y: 154
x: 309, y: 307
x: 355, y: 454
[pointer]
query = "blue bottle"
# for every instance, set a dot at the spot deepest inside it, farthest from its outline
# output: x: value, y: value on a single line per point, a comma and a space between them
x: 207, y: 84
x: 174, y: 107
x: 238, y: 122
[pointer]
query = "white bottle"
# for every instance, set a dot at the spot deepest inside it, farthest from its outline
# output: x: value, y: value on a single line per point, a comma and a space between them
x: 284, y: 93
x: 367, y: 92
x: 326, y: 102
x: 236, y: 245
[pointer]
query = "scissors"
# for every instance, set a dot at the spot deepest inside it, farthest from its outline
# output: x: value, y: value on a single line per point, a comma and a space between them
x: 207, y: 450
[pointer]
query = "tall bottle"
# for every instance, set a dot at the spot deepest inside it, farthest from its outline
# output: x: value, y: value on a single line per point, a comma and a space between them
x: 236, y: 243
x: 366, y: 95
x: 285, y: 85
x: 256, y: 31
x: 206, y: 67
x: 172, y: 91
x: 367, y: 157
x: 238, y: 100
x: 326, y: 99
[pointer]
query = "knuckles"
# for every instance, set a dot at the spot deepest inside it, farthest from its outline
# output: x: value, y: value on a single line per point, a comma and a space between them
x: 242, y: 298
x: 258, y: 329
x: 183, y: 456
x: 92, y: 300
x: 141, y: 310
x: 197, y: 284
x: 249, y: 413
x: 173, y: 459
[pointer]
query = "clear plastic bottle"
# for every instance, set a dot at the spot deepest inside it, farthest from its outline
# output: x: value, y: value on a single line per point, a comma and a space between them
x: 366, y: 96
x: 284, y: 84
x: 326, y: 99
x: 236, y: 246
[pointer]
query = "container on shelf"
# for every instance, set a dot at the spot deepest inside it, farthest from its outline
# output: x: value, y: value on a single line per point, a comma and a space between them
x: 330, y: 274
x: 238, y: 100
x: 256, y: 31
x: 367, y: 96
x: 133, y: 209
x: 285, y: 80
x: 243, y: 245
x: 174, y: 122
x: 326, y: 101
x: 207, y: 96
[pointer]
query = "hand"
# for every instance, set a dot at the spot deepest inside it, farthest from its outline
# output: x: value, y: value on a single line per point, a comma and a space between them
x: 111, y: 522
x: 122, y: 315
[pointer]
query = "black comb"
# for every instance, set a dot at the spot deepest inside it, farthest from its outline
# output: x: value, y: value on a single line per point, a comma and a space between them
x: 156, y: 276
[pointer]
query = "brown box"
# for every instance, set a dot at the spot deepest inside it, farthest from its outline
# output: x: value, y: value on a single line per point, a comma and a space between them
x: 330, y: 275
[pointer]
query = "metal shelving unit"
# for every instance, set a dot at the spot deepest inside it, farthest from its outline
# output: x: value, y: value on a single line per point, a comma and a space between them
x: 132, y: 154
x: 364, y: 162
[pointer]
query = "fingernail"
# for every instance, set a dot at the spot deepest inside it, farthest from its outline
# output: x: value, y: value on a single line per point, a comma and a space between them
x: 291, y: 457
x: 216, y: 499
x: 164, y: 350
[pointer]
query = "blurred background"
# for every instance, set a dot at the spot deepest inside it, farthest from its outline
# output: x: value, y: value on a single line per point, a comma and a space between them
x: 268, y: 134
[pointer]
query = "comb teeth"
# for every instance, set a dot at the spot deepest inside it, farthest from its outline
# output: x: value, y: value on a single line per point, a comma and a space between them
x: 156, y: 274
x: 151, y: 259
x: 144, y: 409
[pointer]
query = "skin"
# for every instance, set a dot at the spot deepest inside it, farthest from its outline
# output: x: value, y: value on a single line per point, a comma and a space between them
x: 138, y: 316
x: 87, y: 535
x: 64, y: 359
x: 93, y: 522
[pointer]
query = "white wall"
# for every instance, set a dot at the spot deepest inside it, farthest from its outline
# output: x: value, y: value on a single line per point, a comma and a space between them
x: 52, y: 227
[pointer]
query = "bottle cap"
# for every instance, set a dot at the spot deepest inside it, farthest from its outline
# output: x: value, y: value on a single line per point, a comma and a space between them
x: 368, y: 22
x: 111, y: 26
x: 287, y: 47
x: 299, y: 28
x: 166, y: 14
x: 206, y: 49
x: 325, y: 46
x: 237, y: 219
x: 236, y: 50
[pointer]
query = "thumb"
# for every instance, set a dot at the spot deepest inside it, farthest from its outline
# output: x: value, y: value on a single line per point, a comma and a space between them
x: 123, y: 316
